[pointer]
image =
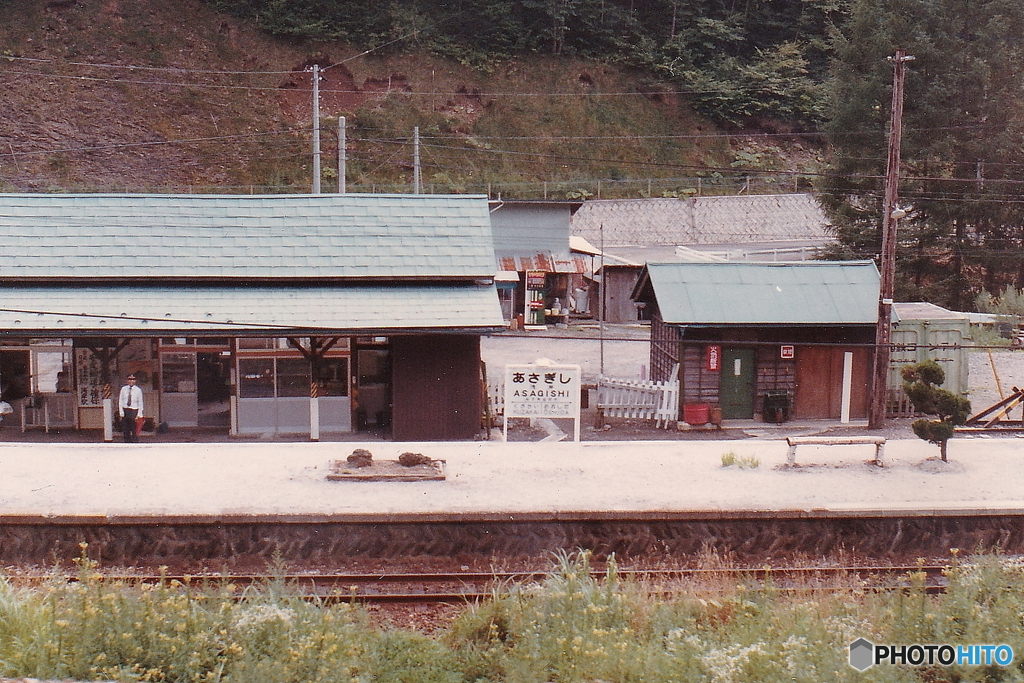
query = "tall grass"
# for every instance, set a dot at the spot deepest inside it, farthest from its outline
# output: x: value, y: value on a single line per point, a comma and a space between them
x: 568, y: 628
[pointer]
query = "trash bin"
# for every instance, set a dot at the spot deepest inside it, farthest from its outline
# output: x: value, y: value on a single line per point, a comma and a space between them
x: 776, y: 406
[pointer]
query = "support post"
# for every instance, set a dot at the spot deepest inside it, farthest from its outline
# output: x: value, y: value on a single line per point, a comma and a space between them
x: 314, y: 411
x: 108, y: 415
x: 844, y: 410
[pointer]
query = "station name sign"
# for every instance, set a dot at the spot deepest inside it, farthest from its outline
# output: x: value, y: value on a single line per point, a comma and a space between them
x: 542, y: 390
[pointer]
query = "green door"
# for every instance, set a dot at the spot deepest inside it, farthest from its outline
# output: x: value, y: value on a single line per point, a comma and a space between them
x: 736, y: 389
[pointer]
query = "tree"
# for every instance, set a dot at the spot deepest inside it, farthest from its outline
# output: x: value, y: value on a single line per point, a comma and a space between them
x: 963, y: 143
x: 921, y: 384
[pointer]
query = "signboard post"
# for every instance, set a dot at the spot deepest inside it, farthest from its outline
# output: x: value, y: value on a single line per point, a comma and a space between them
x: 543, y: 389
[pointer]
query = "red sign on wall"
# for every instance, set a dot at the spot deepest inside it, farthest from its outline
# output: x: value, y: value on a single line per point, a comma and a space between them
x: 713, y: 358
x: 787, y: 352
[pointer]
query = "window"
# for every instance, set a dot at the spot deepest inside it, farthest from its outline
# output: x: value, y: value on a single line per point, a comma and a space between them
x: 332, y: 379
x: 257, y: 343
x: 178, y: 373
x: 292, y: 377
x: 256, y: 377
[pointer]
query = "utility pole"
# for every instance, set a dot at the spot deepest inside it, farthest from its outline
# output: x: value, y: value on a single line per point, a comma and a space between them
x: 887, y: 262
x: 342, y: 155
x: 316, y: 129
x: 416, y: 160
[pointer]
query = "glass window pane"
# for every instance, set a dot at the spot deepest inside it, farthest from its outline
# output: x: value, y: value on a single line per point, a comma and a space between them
x: 333, y: 377
x: 178, y: 373
x: 256, y: 377
x: 256, y: 343
x: 292, y: 377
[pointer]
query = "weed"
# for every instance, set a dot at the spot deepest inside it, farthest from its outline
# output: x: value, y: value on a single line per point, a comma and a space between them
x: 742, y: 461
x: 572, y: 626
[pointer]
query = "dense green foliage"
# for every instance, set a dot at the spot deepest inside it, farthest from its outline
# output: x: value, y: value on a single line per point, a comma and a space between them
x: 963, y: 142
x: 762, y: 59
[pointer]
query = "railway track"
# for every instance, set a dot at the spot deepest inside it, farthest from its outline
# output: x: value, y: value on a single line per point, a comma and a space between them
x: 469, y: 587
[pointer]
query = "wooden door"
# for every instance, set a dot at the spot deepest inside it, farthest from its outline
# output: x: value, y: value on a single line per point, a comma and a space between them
x: 819, y: 382
x: 736, y: 386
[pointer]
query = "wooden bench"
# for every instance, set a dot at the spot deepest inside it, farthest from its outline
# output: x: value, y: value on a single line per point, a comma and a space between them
x: 794, y: 441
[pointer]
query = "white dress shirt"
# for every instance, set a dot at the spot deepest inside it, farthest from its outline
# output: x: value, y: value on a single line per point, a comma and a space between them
x: 136, y: 399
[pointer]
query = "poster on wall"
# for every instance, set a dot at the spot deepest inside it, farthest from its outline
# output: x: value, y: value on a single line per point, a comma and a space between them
x: 88, y: 378
x: 712, y: 358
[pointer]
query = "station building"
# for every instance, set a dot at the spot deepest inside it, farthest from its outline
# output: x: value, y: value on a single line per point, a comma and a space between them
x: 288, y: 314
x: 769, y: 340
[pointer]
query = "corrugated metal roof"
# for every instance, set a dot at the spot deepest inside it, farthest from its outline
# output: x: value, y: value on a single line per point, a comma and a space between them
x: 702, y: 220
x: 549, y: 263
x: 233, y: 310
x: 244, y: 237
x: 811, y: 292
x: 923, y: 310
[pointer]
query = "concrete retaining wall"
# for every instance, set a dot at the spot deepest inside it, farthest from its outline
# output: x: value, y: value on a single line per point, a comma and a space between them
x: 749, y: 538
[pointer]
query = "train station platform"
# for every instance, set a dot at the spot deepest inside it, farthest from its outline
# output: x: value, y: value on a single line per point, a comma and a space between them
x: 490, y: 480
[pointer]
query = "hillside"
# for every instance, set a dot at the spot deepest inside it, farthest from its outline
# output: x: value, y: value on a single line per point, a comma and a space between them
x: 142, y: 95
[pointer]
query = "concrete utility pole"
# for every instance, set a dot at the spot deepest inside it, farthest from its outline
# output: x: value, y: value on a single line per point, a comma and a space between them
x: 342, y: 155
x: 316, y: 129
x: 887, y: 264
x: 416, y: 160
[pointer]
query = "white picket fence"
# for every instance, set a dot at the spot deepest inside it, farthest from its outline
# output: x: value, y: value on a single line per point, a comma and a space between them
x: 641, y: 399
x: 496, y: 396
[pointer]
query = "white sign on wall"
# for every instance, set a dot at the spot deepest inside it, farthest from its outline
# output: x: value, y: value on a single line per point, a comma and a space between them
x: 542, y: 389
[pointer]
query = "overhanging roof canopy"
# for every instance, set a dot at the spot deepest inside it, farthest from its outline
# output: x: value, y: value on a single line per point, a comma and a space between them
x: 152, y: 265
x: 247, y: 311
x: 804, y: 293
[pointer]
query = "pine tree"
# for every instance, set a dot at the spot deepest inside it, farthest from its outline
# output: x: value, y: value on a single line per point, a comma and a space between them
x: 922, y: 385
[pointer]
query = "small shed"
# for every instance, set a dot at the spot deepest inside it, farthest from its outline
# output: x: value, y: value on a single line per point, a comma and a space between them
x: 923, y: 331
x: 795, y: 338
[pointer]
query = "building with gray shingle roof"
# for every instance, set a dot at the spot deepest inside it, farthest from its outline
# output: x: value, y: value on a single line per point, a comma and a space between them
x: 270, y: 289
x: 632, y: 232
x: 702, y: 221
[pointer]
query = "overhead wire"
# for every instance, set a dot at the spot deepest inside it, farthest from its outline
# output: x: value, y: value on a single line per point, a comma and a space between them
x: 541, y: 157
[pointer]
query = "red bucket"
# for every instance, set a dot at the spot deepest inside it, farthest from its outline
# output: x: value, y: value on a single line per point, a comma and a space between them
x: 696, y: 413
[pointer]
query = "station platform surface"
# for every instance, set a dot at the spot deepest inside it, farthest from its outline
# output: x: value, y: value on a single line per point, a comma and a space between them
x: 502, y: 481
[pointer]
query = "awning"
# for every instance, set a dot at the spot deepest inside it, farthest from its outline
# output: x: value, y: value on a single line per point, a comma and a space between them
x: 37, y: 311
x: 549, y: 263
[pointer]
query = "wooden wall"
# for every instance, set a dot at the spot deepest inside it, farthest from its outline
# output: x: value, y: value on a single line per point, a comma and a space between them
x: 436, y: 389
x: 672, y: 343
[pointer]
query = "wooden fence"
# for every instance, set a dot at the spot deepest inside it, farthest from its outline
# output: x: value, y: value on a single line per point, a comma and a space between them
x: 658, y: 401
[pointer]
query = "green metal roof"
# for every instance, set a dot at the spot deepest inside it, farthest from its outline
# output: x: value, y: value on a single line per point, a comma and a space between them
x: 235, y: 237
x: 804, y: 293
x: 279, y: 310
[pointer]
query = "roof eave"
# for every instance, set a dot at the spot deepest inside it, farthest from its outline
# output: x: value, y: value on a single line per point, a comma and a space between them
x: 76, y: 333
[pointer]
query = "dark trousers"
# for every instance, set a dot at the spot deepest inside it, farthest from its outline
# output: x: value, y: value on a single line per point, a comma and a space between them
x: 128, y: 425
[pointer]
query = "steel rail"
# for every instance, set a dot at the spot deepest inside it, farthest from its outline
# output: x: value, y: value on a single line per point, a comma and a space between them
x: 477, y: 586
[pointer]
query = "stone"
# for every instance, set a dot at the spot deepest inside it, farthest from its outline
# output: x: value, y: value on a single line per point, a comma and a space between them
x: 408, y: 459
x: 360, y: 458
